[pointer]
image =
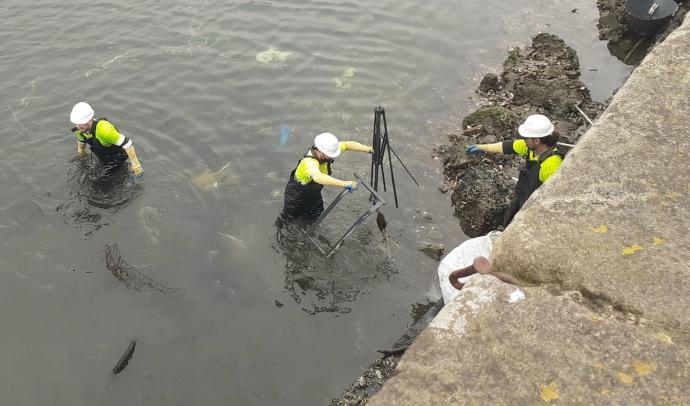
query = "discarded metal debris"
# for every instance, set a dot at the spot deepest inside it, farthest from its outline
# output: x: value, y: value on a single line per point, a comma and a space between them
x: 126, y: 356
x: 582, y: 113
x: 483, y: 266
x: 126, y: 274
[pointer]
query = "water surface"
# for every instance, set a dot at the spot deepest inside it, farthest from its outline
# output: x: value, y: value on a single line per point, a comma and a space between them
x: 251, y: 322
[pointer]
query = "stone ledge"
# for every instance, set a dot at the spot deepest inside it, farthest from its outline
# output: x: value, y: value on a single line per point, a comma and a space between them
x: 501, y: 345
x: 614, y: 222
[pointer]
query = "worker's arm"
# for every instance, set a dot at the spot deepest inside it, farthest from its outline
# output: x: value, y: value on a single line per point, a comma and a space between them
x: 110, y: 135
x: 495, y: 148
x: 81, y: 141
x: 134, y: 161
x: 323, y: 179
x: 355, y: 146
x: 518, y: 147
x: 326, y: 180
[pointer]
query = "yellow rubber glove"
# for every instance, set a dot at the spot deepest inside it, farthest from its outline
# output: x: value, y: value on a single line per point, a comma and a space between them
x: 81, y: 148
x: 356, y: 146
x: 136, y: 166
x: 323, y: 179
x: 473, y: 149
x: 496, y: 148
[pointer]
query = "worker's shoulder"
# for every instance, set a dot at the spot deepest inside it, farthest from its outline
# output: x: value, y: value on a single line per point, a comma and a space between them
x: 553, y: 160
x: 308, y: 161
x: 519, y: 146
x: 105, y: 126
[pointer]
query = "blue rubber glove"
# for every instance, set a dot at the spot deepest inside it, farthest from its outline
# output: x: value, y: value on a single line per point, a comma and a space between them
x: 351, y: 186
x: 473, y: 150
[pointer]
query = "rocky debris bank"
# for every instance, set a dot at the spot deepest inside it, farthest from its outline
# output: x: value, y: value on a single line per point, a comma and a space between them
x: 625, y: 44
x: 540, y: 79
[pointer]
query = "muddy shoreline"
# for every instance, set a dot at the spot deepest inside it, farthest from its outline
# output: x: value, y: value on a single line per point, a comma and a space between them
x: 542, y: 78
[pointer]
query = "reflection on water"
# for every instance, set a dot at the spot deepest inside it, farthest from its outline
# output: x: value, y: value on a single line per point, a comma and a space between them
x: 323, y: 285
x: 92, y: 196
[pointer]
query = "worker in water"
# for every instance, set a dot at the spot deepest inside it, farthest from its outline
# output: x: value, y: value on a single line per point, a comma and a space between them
x: 110, y: 147
x: 542, y: 158
x: 313, y: 172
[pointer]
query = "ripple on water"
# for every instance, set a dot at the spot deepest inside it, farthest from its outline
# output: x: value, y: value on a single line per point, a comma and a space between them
x: 181, y: 79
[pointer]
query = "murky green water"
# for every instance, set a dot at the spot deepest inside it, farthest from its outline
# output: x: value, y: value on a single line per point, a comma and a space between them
x: 250, y: 323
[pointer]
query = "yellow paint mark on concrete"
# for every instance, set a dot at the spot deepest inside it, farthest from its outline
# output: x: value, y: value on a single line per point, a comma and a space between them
x: 549, y: 392
x: 605, y: 392
x: 595, y: 318
x: 631, y: 249
x: 657, y: 241
x: 664, y: 338
x: 599, y: 365
x: 673, y: 195
x: 644, y: 369
x: 601, y: 229
x: 676, y: 400
x: 625, y: 378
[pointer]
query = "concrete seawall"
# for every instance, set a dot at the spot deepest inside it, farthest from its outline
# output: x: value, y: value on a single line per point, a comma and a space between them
x: 605, y: 247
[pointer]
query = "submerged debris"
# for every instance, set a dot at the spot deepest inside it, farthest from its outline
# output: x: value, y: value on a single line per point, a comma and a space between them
x: 126, y: 274
x: 272, y: 56
x: 381, y: 222
x: 126, y: 356
x: 209, y: 180
x: 432, y: 250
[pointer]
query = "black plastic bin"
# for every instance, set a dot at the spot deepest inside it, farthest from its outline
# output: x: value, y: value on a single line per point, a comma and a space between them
x: 645, y: 24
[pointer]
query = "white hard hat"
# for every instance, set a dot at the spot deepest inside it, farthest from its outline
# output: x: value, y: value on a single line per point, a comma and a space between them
x: 536, y: 126
x: 82, y: 113
x: 328, y: 144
